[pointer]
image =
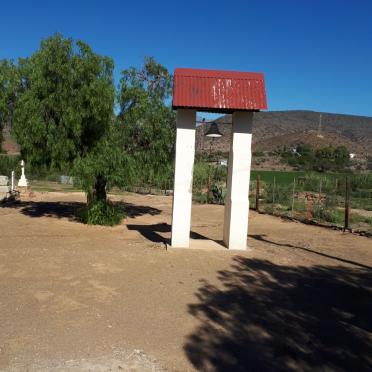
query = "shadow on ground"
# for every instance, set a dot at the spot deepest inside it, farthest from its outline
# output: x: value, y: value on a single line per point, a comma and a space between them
x: 264, y: 317
x: 69, y: 209
x: 151, y: 232
x: 263, y: 238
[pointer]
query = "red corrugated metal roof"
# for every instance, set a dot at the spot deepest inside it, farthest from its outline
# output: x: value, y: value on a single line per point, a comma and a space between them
x: 218, y: 91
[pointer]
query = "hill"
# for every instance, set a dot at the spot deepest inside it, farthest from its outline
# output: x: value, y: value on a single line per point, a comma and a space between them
x: 281, y: 128
x: 287, y: 128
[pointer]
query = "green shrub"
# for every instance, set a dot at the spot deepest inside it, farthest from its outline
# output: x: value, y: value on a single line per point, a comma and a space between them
x: 200, y: 197
x: 358, y: 218
x: 101, y: 213
x: 218, y: 193
x: 335, y: 216
x: 278, y: 193
x: 8, y: 163
x: 200, y: 178
x: 219, y: 174
x: 332, y: 201
x: 299, y: 206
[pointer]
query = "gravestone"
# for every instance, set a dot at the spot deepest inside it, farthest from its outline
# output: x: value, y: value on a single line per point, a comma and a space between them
x: 5, y: 189
x: 23, y: 180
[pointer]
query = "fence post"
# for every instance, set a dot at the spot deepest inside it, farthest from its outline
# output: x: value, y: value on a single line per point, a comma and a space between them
x: 293, y: 194
x: 13, y: 183
x: 319, y: 199
x: 274, y: 195
x: 347, y: 203
x: 209, y: 184
x: 258, y: 193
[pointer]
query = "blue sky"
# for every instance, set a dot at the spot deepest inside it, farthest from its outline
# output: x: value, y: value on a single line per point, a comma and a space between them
x: 316, y: 55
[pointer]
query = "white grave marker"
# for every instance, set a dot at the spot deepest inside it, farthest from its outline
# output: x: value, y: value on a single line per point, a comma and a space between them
x: 23, y: 180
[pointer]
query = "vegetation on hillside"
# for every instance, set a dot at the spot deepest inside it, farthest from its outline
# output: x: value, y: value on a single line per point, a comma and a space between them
x: 305, y: 158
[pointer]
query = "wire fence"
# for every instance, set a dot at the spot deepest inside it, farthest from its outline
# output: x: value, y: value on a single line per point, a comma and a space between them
x: 340, y: 202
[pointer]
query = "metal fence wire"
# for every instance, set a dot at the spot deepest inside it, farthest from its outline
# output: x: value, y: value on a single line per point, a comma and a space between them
x: 341, y: 202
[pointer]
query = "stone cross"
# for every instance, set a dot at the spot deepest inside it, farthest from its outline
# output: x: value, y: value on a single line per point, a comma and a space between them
x: 23, y: 180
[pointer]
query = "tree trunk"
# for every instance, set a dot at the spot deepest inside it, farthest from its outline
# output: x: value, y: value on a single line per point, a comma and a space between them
x: 99, y: 192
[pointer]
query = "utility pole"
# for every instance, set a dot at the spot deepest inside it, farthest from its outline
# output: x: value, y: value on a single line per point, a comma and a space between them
x: 320, y: 127
x: 258, y: 193
x: 347, y: 203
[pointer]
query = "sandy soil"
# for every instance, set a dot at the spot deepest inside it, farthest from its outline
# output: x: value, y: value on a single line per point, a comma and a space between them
x: 76, y: 297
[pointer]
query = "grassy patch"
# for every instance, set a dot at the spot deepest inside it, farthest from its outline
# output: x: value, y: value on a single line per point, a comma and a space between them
x: 280, y: 177
x: 200, y: 197
x: 101, y: 213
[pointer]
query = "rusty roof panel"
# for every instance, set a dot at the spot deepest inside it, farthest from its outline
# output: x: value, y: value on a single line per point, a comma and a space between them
x: 218, y: 91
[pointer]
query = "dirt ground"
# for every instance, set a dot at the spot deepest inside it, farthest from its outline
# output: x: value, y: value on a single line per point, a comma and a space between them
x: 76, y: 297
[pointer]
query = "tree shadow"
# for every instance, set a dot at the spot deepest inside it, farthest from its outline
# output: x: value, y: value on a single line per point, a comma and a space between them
x: 134, y: 210
x: 265, y: 317
x: 151, y: 232
x: 69, y: 210
x: 47, y: 209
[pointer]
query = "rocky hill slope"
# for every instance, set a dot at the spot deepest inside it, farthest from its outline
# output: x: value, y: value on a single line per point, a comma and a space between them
x: 277, y: 129
x: 288, y: 128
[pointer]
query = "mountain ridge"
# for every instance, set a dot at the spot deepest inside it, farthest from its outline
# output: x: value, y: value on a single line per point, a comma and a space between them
x: 273, y: 129
x: 278, y: 129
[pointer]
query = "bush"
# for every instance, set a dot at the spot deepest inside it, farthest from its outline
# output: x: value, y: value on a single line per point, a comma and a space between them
x: 282, y: 193
x: 357, y: 218
x: 201, y: 197
x: 329, y: 215
x: 218, y: 193
x: 8, y: 163
x: 101, y: 213
x: 200, y: 179
x: 219, y: 174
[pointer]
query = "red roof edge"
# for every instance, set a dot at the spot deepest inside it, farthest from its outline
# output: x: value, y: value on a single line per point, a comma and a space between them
x: 219, y: 91
x: 218, y: 74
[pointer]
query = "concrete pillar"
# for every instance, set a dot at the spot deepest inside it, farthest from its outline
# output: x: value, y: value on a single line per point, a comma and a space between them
x: 239, y: 169
x: 13, y: 179
x: 182, y: 191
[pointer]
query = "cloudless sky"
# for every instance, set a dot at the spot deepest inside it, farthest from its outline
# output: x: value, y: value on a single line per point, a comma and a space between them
x: 316, y: 54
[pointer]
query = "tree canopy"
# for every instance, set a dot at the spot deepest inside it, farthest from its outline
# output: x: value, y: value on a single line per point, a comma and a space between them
x: 61, y: 101
x: 9, y: 83
x: 65, y: 102
x: 148, y: 123
x: 320, y: 160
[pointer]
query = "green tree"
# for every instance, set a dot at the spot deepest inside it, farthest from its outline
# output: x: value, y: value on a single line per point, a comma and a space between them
x: 330, y: 158
x: 342, y: 157
x: 148, y: 123
x: 9, y: 84
x: 105, y: 166
x: 64, y: 109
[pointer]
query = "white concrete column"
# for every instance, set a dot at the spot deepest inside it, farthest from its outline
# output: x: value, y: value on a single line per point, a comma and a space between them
x: 184, y: 165
x: 13, y: 184
x: 239, y: 169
